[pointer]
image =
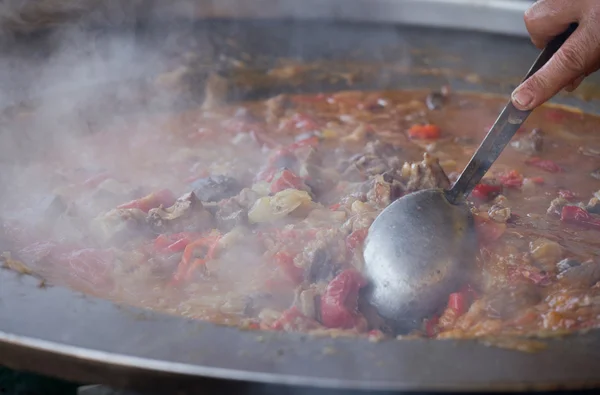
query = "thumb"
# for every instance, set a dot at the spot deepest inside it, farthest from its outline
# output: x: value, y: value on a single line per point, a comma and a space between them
x: 568, y: 63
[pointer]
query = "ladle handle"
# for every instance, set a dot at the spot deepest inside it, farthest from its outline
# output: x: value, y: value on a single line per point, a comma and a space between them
x: 502, y: 131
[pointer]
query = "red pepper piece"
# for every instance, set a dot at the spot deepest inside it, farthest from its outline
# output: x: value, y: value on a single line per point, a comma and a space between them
x: 512, y: 179
x: 339, y: 303
x: 356, y: 238
x: 577, y: 215
x: 427, y: 132
x: 174, y: 242
x: 544, y: 164
x: 286, y: 179
x: 163, y: 198
x: 486, y: 191
x: 285, y: 261
x: 567, y: 195
x: 487, y: 230
x: 334, y: 207
x: 459, y: 302
x: 188, y: 263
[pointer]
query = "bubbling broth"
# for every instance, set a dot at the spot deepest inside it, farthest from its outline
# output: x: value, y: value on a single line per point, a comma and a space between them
x: 254, y: 214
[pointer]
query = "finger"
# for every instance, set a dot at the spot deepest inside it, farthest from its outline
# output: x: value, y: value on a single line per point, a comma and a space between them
x: 575, y: 84
x: 546, y: 19
x: 569, y: 62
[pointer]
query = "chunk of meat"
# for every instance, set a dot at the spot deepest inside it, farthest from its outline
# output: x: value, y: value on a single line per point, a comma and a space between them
x: 119, y: 225
x: 425, y: 174
x: 376, y: 159
x: 186, y: 215
x: 435, y: 100
x: 231, y: 214
x: 307, y: 301
x: 322, y: 257
x: 320, y: 180
x: 384, y: 190
x: 586, y: 274
x: 566, y: 264
x: 593, y: 206
x: 215, y: 188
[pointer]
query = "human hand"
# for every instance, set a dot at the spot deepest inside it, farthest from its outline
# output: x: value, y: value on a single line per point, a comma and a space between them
x: 576, y: 59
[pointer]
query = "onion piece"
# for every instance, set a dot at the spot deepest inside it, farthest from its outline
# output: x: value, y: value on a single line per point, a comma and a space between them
x: 271, y: 208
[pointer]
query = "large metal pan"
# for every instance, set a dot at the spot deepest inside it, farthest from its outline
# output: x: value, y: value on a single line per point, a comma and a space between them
x: 59, y: 332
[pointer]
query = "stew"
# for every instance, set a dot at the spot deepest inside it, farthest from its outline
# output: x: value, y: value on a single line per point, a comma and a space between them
x: 254, y: 214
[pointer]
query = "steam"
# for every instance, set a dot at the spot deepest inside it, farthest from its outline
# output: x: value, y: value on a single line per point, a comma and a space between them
x: 93, y: 80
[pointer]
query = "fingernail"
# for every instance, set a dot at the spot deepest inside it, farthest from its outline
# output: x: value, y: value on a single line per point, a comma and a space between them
x: 522, y: 97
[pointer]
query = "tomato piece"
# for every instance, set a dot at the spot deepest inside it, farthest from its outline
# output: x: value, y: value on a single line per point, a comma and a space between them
x: 486, y: 191
x: 545, y: 164
x: 577, y: 215
x: 339, y: 303
x: 487, y: 230
x: 512, y: 179
x: 334, y: 207
x: 164, y: 198
x: 424, y: 132
x: 285, y: 261
x: 356, y: 238
x: 286, y: 179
